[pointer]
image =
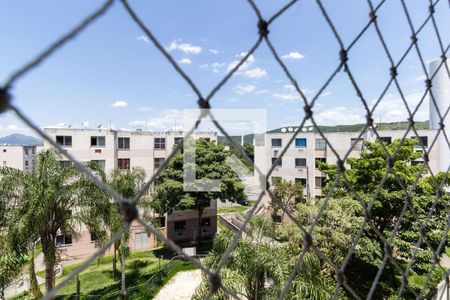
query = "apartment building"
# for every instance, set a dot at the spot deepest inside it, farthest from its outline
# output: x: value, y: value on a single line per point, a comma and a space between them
x: 124, y: 150
x: 18, y: 157
x: 299, y: 163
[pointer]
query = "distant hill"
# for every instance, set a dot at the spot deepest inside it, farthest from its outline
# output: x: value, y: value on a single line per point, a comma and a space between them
x: 21, y: 140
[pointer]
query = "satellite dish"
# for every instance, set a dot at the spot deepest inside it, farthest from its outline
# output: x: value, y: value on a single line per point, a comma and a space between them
x: 283, y: 129
x: 290, y: 129
x: 304, y: 129
x: 296, y: 129
x: 310, y: 128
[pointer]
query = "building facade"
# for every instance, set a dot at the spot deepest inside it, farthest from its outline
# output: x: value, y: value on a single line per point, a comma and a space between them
x: 299, y: 163
x: 18, y: 157
x: 113, y: 149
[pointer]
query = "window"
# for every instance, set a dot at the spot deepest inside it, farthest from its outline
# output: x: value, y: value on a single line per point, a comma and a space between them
x: 160, y: 143
x: 94, y: 237
x: 300, y: 162
x: 277, y: 218
x: 26, y: 163
x: 4, y: 163
x: 302, y: 181
x: 123, y: 143
x: 206, y: 222
x: 320, y: 182
x: 100, y: 163
x: 277, y: 161
x: 300, y: 143
x: 276, y: 180
x: 321, y: 159
x: 423, y: 141
x: 158, y: 161
x: 358, y: 144
x: 63, y: 239
x: 180, y: 225
x: 276, y: 143
x: 64, y: 140
x: 26, y: 151
x: 123, y: 163
x: 177, y: 140
x: 65, y: 163
x: 97, y: 141
x: 4, y: 150
x: 386, y: 139
x: 33, y: 151
x: 321, y: 144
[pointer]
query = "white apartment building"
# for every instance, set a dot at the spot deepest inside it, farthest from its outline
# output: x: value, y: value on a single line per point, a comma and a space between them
x: 299, y: 163
x: 120, y: 149
x: 18, y: 157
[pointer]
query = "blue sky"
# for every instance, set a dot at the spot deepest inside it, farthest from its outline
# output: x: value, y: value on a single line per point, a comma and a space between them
x: 111, y: 73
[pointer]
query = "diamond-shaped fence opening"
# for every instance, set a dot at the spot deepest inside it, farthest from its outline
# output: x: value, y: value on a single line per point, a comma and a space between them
x: 341, y: 181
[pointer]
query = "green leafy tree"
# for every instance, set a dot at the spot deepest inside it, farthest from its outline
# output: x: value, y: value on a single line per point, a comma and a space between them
x: 169, y: 191
x: 45, y: 203
x: 365, y: 175
x: 288, y: 194
x: 11, y: 264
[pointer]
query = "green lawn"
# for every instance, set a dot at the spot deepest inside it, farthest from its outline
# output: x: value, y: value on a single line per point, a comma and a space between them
x: 235, y: 209
x: 140, y: 266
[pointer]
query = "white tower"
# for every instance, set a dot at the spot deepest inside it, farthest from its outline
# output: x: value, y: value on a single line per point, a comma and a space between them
x: 441, y: 93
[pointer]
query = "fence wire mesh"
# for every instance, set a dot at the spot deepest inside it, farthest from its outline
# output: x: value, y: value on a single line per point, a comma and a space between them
x: 129, y: 206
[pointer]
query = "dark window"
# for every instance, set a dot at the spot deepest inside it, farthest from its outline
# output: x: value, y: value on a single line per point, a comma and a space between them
x: 177, y: 140
x: 276, y: 180
x: 386, y: 139
x: 100, y: 163
x: 26, y: 163
x: 162, y: 221
x: 123, y: 163
x: 4, y: 150
x: 321, y: 144
x: 358, y: 144
x: 33, y: 150
x: 160, y: 143
x: 123, y: 143
x: 300, y: 162
x: 423, y: 141
x: 97, y: 141
x: 278, y: 161
x: 300, y: 143
x: 94, y: 237
x: 26, y: 151
x: 320, y: 182
x: 206, y: 222
x: 276, y: 143
x: 277, y: 218
x: 302, y: 181
x: 64, y: 140
x: 416, y: 162
x: 158, y: 161
x: 64, y: 239
x: 65, y: 163
x: 180, y: 225
x: 321, y: 159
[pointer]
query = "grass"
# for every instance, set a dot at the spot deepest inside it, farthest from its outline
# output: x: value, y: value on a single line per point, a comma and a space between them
x: 235, y: 209
x: 140, y: 266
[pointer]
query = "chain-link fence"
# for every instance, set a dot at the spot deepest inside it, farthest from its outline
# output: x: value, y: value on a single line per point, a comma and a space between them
x: 129, y: 206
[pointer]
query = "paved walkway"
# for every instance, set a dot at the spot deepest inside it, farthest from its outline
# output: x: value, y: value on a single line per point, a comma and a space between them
x: 181, y: 286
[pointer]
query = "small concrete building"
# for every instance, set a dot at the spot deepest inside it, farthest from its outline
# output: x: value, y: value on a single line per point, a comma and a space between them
x: 18, y: 157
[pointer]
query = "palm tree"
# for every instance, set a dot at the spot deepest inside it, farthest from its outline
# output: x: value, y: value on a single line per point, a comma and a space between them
x: 46, y: 202
x: 127, y: 183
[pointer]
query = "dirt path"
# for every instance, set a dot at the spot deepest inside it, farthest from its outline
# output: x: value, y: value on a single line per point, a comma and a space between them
x: 181, y: 286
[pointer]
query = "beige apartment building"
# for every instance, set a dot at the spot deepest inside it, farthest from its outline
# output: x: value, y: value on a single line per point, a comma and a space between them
x: 299, y: 163
x: 124, y: 150
x: 18, y: 157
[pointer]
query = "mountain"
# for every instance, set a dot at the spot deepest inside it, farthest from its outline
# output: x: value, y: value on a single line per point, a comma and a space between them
x: 21, y: 140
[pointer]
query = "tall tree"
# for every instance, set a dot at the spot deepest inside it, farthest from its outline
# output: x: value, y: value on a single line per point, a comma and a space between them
x: 46, y: 202
x: 169, y: 192
x: 288, y: 194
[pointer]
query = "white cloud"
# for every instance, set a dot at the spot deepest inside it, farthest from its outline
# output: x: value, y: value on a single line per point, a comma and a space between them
x: 184, y: 47
x: 340, y: 115
x: 214, y: 51
x: 204, y: 66
x: 263, y: 91
x: 15, y: 128
x: 326, y: 93
x: 255, y: 73
x: 287, y: 96
x: 144, y: 39
x: 145, y: 108
x: 12, y: 127
x: 391, y: 108
x: 119, y: 104
x: 170, y: 119
x: 185, y: 61
x: 137, y: 123
x: 293, y: 55
x: 244, y: 89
